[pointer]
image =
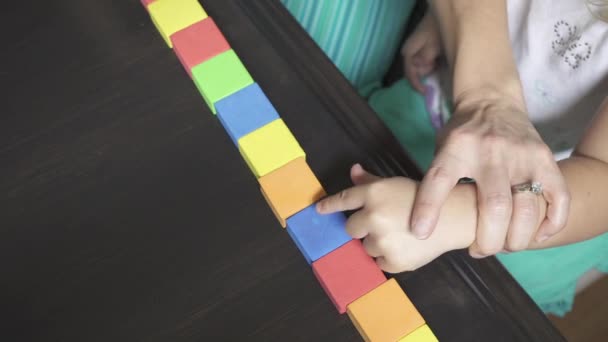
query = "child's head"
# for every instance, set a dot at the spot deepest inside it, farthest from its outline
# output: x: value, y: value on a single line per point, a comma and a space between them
x: 599, y: 9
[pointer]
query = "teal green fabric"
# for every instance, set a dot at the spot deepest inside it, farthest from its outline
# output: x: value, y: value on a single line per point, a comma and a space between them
x: 550, y: 275
x: 361, y: 37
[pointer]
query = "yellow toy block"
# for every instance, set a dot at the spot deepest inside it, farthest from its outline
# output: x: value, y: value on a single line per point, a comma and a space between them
x: 269, y: 147
x: 422, y: 334
x: 170, y: 16
x: 384, y: 314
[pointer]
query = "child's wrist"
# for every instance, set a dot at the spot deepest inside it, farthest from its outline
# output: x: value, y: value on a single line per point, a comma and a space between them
x: 458, y: 220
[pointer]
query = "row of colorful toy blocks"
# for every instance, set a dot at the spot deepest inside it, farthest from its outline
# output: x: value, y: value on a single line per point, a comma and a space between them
x: 251, y: 121
x: 348, y: 275
x: 378, y: 307
x: 387, y: 314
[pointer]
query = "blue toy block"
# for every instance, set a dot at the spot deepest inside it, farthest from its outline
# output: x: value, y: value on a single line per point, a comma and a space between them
x: 245, y: 111
x: 316, y: 235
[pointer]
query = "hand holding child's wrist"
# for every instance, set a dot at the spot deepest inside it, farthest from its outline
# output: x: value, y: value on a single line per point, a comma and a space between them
x: 458, y: 219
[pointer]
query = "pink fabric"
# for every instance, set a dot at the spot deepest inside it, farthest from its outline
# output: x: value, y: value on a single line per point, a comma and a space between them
x: 147, y: 2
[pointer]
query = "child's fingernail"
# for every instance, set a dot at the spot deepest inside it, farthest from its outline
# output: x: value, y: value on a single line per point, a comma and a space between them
x: 421, y: 228
x: 320, y: 207
x: 357, y: 169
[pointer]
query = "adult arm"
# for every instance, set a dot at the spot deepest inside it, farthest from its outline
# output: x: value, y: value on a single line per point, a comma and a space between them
x: 489, y: 137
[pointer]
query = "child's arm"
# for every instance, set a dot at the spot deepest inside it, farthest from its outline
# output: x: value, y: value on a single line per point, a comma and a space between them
x: 586, y: 174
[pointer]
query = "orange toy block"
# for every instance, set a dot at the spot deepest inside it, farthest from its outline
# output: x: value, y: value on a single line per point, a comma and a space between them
x: 384, y: 314
x: 291, y: 188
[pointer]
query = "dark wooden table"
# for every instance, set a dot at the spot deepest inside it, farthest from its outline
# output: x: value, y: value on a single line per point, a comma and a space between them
x: 126, y: 213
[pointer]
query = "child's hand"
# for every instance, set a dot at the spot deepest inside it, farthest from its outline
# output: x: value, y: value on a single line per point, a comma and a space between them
x: 420, y: 51
x: 383, y: 221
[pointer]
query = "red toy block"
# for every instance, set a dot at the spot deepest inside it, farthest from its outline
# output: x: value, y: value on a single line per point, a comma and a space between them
x: 347, y: 273
x: 198, y: 43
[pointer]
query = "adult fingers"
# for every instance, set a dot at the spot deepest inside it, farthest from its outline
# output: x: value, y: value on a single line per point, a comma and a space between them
x: 524, y: 221
x: 427, y: 58
x: 494, y: 210
x: 555, y: 192
x: 412, y: 75
x: 409, y: 51
x: 432, y: 193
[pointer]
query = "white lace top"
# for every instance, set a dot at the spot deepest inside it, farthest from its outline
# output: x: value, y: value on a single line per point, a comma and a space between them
x: 561, y: 50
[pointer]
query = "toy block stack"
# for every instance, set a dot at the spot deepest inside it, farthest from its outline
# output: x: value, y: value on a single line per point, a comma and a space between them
x: 378, y: 307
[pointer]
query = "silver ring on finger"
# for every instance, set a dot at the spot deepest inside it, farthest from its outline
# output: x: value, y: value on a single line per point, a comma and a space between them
x: 533, y: 187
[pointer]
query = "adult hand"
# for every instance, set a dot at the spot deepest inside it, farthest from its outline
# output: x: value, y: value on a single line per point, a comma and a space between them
x: 491, y: 140
x: 420, y: 51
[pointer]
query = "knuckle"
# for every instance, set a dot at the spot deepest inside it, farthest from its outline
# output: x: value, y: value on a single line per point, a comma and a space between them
x: 353, y: 229
x: 551, y: 228
x: 460, y: 137
x: 562, y: 203
x: 516, y: 245
x: 475, y: 252
x: 458, y: 133
x: 489, y: 248
x: 384, y: 244
x: 392, y: 266
x: 389, y: 268
x: 543, y: 151
x: 332, y: 203
x: 369, y: 244
x: 526, y: 210
x: 403, y: 263
x: 377, y: 189
x: 438, y: 174
x: 402, y: 267
x: 327, y: 203
x: 378, y: 220
x: 498, y: 203
x: 350, y: 229
x: 493, y: 141
x: 564, y: 197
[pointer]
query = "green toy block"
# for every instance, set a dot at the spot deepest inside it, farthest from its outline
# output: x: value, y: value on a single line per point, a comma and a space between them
x: 220, y: 76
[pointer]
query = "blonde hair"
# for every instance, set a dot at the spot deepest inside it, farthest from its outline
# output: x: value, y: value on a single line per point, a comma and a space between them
x: 598, y: 8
